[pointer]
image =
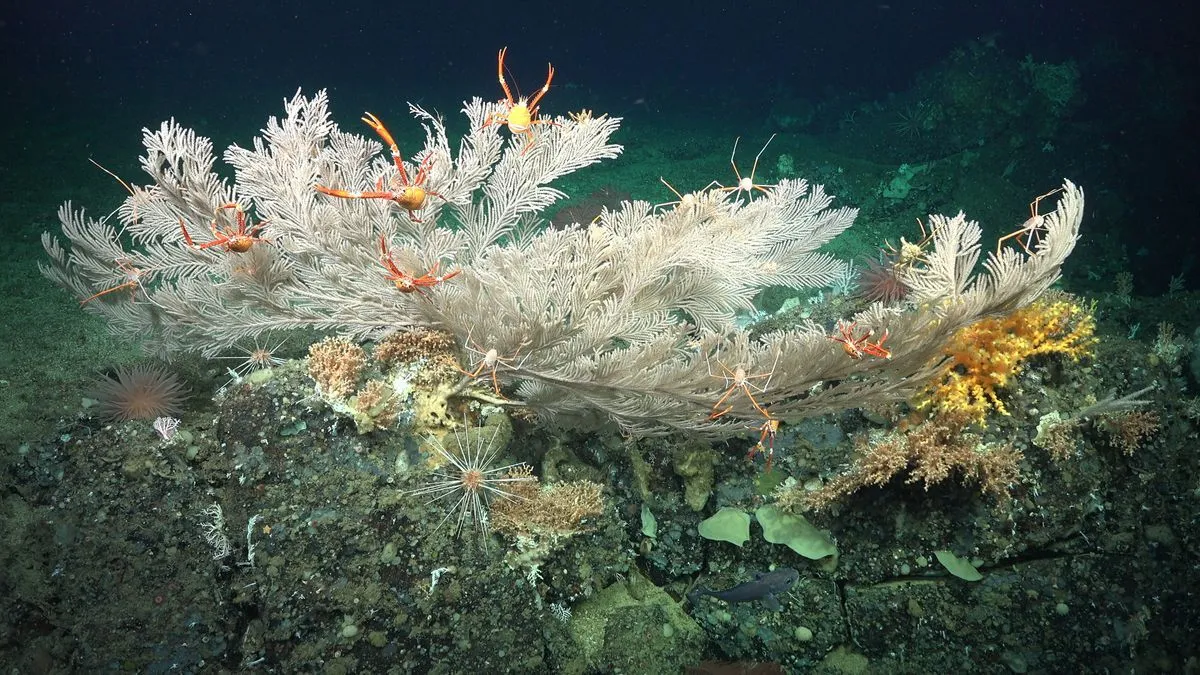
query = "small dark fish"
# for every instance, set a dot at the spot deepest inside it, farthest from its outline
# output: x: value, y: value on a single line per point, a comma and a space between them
x: 765, y: 586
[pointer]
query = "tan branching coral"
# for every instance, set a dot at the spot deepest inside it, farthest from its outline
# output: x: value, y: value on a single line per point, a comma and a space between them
x: 552, y: 510
x: 374, y: 407
x: 929, y: 453
x: 1128, y: 431
x: 335, y: 364
x: 1058, y: 435
x: 407, y: 346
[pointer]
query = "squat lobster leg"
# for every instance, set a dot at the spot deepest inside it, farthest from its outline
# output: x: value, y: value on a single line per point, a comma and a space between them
x: 1030, y: 227
x: 133, y: 281
x: 746, y: 183
x: 413, y: 195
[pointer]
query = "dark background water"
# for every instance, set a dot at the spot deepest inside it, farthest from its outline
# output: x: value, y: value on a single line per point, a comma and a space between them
x: 139, y: 53
x: 81, y: 79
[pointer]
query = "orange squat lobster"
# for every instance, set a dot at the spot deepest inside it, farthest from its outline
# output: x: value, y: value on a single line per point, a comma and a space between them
x: 407, y: 283
x: 521, y: 114
x: 238, y: 239
x: 857, y: 346
x: 412, y: 197
x: 766, y: 441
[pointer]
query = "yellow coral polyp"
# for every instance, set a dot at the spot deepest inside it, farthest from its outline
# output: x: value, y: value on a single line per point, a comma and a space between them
x: 986, y: 355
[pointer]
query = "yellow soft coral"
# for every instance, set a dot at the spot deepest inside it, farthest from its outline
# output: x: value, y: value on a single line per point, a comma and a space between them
x: 986, y: 355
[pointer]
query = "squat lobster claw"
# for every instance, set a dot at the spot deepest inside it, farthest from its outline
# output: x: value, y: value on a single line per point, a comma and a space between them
x: 407, y: 283
x: 238, y: 239
x: 413, y: 195
x: 521, y: 114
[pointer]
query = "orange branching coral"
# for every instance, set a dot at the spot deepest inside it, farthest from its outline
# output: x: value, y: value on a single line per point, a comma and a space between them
x: 986, y: 355
x: 335, y: 364
x: 929, y: 452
